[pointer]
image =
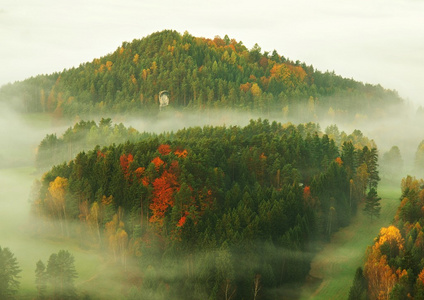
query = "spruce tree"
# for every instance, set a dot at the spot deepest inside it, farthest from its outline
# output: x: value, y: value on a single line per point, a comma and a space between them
x: 41, y: 279
x: 61, y: 273
x: 358, y: 290
x: 372, y: 204
x: 9, y: 271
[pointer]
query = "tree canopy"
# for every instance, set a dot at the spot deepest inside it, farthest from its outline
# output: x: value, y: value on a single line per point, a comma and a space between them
x: 199, y: 73
x: 394, y: 263
x: 206, y: 201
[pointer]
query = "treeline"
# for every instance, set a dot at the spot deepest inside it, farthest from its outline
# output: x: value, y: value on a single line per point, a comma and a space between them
x: 84, y: 135
x: 394, y: 266
x: 53, y: 281
x: 210, y: 212
x: 419, y: 161
x: 199, y: 73
x: 392, y: 164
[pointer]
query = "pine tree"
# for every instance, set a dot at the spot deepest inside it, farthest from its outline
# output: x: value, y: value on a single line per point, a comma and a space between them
x: 9, y: 271
x: 41, y: 279
x: 358, y: 290
x: 61, y: 273
x: 392, y: 163
x: 372, y: 204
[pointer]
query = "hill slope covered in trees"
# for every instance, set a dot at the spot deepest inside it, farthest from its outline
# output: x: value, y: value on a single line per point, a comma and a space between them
x: 210, y: 212
x: 199, y: 73
x: 394, y: 264
x: 85, y: 135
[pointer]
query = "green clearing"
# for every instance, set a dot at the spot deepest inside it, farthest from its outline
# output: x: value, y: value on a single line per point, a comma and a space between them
x: 333, y: 268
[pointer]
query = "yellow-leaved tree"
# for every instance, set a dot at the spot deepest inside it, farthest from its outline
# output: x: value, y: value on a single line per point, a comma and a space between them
x: 380, y: 276
x: 56, y: 199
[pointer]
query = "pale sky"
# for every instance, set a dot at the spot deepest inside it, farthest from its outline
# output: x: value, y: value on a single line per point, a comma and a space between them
x: 373, y: 41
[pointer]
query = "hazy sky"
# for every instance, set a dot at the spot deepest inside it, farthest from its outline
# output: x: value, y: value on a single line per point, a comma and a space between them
x: 374, y: 41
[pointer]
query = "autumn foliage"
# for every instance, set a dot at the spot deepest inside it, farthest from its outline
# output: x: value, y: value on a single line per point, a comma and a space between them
x: 163, y: 191
x: 139, y: 172
x: 158, y: 162
x: 214, y: 190
x: 164, y: 149
x: 181, y: 153
x: 191, y: 68
x: 380, y: 275
x: 181, y: 221
x: 126, y: 161
x: 393, y: 267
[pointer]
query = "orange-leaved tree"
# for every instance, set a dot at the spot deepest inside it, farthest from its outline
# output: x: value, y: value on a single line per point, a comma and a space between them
x: 164, y: 149
x: 126, y: 161
x: 163, y: 191
x: 158, y: 162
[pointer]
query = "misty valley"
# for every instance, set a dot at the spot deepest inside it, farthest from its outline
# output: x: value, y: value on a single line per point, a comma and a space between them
x: 257, y: 177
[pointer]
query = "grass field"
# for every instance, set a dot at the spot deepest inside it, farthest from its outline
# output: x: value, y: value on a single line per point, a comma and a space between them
x: 334, y: 266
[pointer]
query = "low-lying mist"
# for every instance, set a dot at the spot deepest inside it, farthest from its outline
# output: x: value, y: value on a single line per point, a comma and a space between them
x: 21, y: 134
x: 402, y: 128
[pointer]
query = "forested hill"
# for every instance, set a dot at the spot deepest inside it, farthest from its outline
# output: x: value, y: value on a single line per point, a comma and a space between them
x: 213, y: 211
x: 86, y: 135
x: 199, y: 73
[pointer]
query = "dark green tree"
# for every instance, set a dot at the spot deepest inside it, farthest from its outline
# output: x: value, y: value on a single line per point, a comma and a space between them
x: 41, y: 279
x: 392, y: 164
x: 419, y: 160
x: 349, y: 158
x: 398, y: 292
x: 358, y: 290
x: 372, y: 163
x: 61, y: 273
x: 419, y: 290
x: 9, y: 271
x: 372, y: 204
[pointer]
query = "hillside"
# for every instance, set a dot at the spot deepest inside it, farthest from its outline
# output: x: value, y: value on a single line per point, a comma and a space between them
x: 208, y: 211
x: 199, y: 73
x: 394, y: 264
x: 86, y: 135
x: 83, y: 136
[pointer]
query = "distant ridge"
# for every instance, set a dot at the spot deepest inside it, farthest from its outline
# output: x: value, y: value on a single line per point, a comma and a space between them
x: 199, y: 73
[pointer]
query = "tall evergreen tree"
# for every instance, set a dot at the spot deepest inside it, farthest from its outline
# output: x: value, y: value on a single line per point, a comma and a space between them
x: 392, y: 164
x: 61, y: 273
x: 372, y: 164
x: 419, y: 160
x: 349, y: 158
x: 372, y: 204
x: 358, y: 290
x: 41, y: 279
x: 9, y: 271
